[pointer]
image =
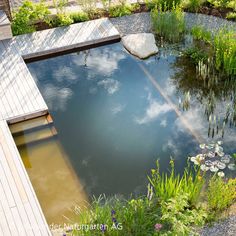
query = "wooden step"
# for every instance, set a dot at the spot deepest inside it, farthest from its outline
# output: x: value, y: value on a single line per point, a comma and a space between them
x: 30, y: 124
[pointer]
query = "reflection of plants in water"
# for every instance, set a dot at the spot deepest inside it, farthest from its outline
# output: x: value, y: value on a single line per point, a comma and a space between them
x: 202, y: 82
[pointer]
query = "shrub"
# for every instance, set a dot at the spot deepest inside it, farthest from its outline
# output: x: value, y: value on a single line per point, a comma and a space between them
x: 231, y: 16
x: 170, y: 24
x: 177, y: 213
x: 192, y: 5
x: 79, y: 17
x: 29, y: 13
x: 120, y: 10
x: 163, y: 4
x: 61, y: 19
x: 220, y: 193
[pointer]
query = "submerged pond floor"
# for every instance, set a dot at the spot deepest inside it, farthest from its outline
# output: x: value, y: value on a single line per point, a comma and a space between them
x: 113, y: 123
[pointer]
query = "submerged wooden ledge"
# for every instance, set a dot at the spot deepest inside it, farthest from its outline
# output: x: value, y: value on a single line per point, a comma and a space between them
x: 20, y: 99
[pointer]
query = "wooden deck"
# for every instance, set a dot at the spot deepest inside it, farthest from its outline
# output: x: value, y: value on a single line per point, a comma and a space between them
x: 20, y: 99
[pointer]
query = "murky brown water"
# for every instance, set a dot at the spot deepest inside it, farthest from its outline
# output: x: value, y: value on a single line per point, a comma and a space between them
x: 56, y: 185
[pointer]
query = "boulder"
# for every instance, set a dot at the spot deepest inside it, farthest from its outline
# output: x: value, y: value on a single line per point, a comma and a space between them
x: 141, y: 45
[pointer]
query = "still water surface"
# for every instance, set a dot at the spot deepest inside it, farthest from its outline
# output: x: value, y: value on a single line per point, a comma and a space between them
x: 112, y: 122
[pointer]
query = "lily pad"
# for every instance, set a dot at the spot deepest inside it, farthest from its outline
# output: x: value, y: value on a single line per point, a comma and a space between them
x: 220, y: 165
x: 213, y: 168
x: 202, y: 145
x: 211, y: 154
x: 225, y: 159
x: 232, y: 166
x: 220, y: 153
x: 208, y: 163
x: 204, y: 167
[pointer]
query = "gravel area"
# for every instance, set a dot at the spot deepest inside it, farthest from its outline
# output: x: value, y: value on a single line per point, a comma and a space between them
x: 141, y: 23
x: 224, y: 228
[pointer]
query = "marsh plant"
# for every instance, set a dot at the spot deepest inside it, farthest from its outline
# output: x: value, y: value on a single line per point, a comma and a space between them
x: 169, y: 25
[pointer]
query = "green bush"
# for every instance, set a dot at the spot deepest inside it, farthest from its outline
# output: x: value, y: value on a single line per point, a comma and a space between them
x: 163, y: 4
x: 61, y: 19
x: 176, y: 213
x: 79, y: 17
x: 168, y: 24
x: 120, y: 10
x: 231, y: 16
x: 192, y: 5
x: 221, y: 194
x: 27, y: 14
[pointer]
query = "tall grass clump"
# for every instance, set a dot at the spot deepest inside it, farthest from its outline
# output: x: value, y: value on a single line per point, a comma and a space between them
x: 169, y: 25
x: 225, y: 51
x: 192, y: 5
x: 221, y: 193
x: 169, y: 185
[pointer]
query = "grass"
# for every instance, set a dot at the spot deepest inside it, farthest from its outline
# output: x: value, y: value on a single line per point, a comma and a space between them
x: 168, y: 25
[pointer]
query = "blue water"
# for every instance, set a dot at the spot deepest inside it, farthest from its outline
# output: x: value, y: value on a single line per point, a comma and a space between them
x: 112, y: 122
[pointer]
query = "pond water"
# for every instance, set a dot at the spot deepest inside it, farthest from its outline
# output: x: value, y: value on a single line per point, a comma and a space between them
x: 115, y: 115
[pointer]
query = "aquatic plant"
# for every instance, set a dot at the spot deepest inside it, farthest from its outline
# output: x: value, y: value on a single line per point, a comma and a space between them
x: 167, y: 186
x: 199, y: 33
x: 169, y: 25
x: 225, y: 52
x: 212, y: 158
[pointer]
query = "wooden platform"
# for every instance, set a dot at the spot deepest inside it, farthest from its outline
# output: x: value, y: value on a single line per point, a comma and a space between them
x: 20, y: 99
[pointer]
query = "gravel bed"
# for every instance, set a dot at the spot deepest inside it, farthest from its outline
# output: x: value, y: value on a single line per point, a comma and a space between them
x: 223, y: 228
x: 141, y: 23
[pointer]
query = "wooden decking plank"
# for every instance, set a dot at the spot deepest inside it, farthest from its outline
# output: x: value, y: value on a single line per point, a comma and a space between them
x: 3, y: 222
x: 7, y: 212
x: 32, y: 199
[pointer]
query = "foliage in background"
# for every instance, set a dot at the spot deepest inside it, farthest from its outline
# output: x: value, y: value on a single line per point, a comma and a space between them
x: 192, y: 5
x: 231, y: 16
x: 28, y: 14
x: 79, y: 17
x: 169, y: 25
x: 122, y: 9
x: 163, y: 4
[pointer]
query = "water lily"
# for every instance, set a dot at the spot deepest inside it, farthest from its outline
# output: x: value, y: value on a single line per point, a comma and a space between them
x: 202, y: 145
x: 221, y: 174
x: 220, y: 165
x: 211, y: 154
x: 213, y: 168
x: 203, y: 167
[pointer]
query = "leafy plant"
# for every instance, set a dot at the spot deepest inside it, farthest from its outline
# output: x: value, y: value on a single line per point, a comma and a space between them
x: 196, y: 55
x: 199, y: 33
x: 121, y: 9
x: 169, y: 186
x: 192, y: 5
x: 177, y: 214
x: 220, y: 193
x: 168, y: 24
x: 231, y: 16
x: 28, y: 14
x: 163, y: 4
x: 79, y: 17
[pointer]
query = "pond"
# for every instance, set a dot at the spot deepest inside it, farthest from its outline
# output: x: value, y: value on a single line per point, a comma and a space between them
x: 114, y: 116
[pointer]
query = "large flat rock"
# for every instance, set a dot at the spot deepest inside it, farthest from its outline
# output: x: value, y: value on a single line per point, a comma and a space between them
x: 141, y: 45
